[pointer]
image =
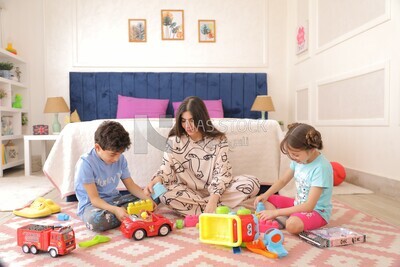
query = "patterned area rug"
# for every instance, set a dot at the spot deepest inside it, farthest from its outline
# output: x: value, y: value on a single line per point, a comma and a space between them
x: 182, y: 247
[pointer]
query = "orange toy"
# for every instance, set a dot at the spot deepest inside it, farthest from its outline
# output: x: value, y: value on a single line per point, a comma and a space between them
x: 258, y: 247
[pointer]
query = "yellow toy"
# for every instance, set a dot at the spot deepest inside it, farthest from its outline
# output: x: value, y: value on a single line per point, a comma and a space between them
x: 11, y: 49
x: 138, y: 206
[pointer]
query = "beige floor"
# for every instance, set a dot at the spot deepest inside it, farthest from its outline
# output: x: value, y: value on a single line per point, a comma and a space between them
x: 379, y: 206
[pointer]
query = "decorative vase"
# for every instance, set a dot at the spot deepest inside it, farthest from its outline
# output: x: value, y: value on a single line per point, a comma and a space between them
x: 5, y: 74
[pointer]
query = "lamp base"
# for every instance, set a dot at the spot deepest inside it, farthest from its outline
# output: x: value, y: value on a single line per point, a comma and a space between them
x: 263, y: 115
x: 56, y: 124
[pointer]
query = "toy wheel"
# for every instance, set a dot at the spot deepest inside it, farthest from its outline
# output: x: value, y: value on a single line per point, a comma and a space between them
x: 53, y: 253
x: 139, y: 234
x: 164, y: 230
x: 34, y: 250
x: 25, y: 248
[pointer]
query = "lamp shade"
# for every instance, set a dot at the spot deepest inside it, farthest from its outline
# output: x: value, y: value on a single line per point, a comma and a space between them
x: 56, y: 105
x: 263, y: 103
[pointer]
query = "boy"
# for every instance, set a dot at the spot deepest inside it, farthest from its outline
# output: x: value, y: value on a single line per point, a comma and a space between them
x: 97, y: 174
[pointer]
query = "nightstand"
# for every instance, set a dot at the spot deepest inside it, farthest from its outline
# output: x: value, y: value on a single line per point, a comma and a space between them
x: 27, y: 148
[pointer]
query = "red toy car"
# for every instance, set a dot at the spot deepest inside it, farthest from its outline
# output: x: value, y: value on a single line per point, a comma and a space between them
x: 146, y: 224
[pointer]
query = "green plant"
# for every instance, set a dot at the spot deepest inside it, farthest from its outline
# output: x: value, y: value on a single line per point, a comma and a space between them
x: 6, y: 66
x: 3, y: 93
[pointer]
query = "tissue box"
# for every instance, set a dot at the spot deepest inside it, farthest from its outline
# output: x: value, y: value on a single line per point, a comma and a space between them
x: 40, y: 129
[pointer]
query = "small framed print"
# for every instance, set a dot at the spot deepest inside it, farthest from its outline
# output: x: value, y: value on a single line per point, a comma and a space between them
x: 137, y: 30
x: 172, y: 25
x: 207, y: 31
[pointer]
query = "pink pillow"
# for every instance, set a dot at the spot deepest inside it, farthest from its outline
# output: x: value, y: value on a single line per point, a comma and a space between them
x: 214, y: 108
x: 129, y: 107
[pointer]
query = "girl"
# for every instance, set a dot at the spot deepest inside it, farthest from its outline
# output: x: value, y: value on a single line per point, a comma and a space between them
x: 195, y: 167
x: 313, y: 175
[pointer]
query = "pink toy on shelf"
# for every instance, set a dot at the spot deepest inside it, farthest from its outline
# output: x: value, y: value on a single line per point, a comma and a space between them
x: 267, y: 224
x: 191, y: 220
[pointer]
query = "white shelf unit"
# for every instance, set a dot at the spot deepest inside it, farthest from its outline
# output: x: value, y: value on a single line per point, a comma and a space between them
x: 13, y: 116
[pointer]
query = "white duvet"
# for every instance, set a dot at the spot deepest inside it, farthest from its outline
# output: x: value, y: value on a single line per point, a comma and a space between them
x: 254, y: 149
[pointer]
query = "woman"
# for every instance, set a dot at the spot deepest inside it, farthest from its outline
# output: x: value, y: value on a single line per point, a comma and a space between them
x: 195, y: 167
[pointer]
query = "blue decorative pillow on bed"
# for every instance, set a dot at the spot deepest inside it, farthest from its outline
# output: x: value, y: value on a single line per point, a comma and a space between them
x: 131, y: 107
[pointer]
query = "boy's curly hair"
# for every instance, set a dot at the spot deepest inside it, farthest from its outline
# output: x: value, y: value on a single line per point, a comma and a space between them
x: 111, y: 135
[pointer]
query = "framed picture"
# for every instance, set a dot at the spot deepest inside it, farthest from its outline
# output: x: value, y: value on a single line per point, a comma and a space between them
x: 302, y: 38
x: 172, y: 25
x: 207, y: 31
x: 137, y: 30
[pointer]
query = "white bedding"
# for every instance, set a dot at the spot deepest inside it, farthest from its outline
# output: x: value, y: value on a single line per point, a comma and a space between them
x: 254, y: 149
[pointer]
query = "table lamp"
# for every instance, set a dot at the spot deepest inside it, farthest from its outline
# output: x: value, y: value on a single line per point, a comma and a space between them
x: 56, y: 105
x: 263, y: 103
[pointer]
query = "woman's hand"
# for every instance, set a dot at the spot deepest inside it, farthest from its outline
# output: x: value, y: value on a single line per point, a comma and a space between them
x: 212, y: 204
x: 268, y: 214
x: 148, y: 190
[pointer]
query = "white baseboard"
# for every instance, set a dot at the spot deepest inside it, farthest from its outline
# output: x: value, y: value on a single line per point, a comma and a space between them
x: 378, y: 184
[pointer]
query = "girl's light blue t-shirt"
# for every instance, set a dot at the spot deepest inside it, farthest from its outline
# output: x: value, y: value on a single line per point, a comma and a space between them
x: 91, y: 169
x: 318, y: 173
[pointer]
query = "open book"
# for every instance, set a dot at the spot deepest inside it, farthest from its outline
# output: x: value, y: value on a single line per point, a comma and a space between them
x: 332, y: 237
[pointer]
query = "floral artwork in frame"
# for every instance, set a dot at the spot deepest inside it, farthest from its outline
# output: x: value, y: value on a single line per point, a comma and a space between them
x: 207, y: 31
x: 137, y: 30
x: 172, y: 25
x: 302, y: 38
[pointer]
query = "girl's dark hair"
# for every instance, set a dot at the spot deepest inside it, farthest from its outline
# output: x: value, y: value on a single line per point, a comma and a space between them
x: 111, y: 135
x: 202, y: 120
x: 301, y: 136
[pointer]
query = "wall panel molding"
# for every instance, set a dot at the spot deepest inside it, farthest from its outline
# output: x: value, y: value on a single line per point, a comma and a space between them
x: 302, y: 104
x: 348, y: 22
x: 353, y: 99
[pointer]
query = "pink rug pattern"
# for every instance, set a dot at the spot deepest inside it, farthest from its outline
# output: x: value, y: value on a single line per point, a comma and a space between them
x: 182, y: 247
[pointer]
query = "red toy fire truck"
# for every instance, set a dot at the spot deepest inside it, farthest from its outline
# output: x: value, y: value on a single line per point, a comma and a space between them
x: 57, y: 240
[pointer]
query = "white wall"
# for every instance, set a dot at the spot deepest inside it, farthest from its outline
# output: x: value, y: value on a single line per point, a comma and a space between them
x: 360, y: 40
x: 59, y: 36
x: 93, y: 35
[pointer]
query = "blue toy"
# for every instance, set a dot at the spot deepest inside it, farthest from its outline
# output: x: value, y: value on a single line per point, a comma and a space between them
x: 62, y: 217
x: 159, y: 190
x: 273, y: 240
x: 260, y: 207
x: 236, y: 250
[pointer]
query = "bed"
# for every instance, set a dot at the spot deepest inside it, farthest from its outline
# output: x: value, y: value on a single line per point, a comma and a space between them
x: 95, y: 96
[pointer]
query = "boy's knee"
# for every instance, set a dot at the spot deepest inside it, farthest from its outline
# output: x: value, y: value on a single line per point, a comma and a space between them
x: 100, y: 223
x: 294, y: 225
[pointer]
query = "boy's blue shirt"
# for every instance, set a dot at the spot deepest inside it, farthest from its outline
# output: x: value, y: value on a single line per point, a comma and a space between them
x: 90, y: 168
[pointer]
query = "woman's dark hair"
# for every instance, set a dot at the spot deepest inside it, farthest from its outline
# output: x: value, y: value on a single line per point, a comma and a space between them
x: 201, y: 119
x: 301, y: 136
x: 111, y: 135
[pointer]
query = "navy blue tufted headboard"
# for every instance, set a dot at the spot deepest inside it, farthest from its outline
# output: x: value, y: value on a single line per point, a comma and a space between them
x: 94, y: 94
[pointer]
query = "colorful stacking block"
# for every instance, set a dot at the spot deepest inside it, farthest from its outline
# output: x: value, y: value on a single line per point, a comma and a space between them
x: 191, y: 220
x: 138, y: 206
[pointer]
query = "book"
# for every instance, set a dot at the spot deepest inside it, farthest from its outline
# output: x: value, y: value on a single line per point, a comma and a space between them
x: 332, y: 237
